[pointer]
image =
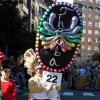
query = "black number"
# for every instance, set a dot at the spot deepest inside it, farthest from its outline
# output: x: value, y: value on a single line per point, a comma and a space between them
x: 48, y: 80
x: 54, y: 78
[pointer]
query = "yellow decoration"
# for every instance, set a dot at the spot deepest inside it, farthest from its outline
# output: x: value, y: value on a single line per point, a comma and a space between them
x: 76, y: 52
x: 37, y: 38
x: 78, y: 45
x: 67, y: 43
x: 37, y: 42
x: 77, y: 48
x: 37, y: 34
x: 36, y: 45
x: 48, y: 42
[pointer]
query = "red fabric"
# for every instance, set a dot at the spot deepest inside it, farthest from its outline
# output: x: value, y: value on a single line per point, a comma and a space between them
x: 9, y: 90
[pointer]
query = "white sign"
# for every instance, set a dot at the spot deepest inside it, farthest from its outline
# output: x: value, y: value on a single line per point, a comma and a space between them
x: 52, y: 78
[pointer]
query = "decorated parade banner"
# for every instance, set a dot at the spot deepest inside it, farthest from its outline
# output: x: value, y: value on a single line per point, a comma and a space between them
x: 58, y: 36
x: 52, y: 78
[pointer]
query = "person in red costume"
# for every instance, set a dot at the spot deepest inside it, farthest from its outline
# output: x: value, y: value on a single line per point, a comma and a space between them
x: 8, y: 91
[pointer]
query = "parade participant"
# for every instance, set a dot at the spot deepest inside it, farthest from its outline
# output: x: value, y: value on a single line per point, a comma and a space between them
x: 8, y: 91
x: 82, y: 78
x: 97, y: 83
x: 38, y: 90
x: 71, y: 78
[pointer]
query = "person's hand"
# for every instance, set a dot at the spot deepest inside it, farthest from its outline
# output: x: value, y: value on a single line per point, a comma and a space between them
x: 54, y: 86
x: 1, y: 93
x: 49, y: 87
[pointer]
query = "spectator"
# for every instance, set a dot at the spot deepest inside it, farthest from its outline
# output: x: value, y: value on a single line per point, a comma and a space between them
x: 8, y: 86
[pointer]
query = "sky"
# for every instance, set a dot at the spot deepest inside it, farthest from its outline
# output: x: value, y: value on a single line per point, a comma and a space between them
x: 70, y: 1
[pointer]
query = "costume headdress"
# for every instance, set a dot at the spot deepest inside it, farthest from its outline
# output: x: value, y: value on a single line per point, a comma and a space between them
x: 58, y: 36
x: 30, y: 59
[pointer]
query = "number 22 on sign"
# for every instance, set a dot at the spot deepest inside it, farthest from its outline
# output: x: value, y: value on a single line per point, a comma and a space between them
x: 52, y: 78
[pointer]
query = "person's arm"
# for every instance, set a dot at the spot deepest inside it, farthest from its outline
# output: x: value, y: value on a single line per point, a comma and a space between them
x: 34, y: 88
x: 58, y: 88
x: 13, y: 94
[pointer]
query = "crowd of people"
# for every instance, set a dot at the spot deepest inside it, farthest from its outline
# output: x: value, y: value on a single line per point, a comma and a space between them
x: 84, y: 75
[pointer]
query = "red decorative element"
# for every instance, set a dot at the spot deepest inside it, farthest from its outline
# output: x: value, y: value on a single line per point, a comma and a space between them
x: 39, y: 60
x: 51, y: 69
x: 55, y: 70
x: 71, y: 62
x: 62, y: 46
x: 73, y: 59
x: 66, y: 68
x: 47, y: 68
x: 37, y: 49
x: 74, y: 55
x: 38, y: 57
x: 59, y: 70
x: 44, y: 66
x: 68, y: 65
x: 41, y: 64
x: 2, y: 56
x: 37, y: 53
x: 63, y: 69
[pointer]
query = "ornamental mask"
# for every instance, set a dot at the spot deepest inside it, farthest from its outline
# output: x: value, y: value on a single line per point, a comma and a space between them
x: 58, y: 36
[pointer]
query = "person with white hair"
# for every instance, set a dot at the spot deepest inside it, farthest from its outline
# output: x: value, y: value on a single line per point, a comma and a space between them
x: 38, y: 90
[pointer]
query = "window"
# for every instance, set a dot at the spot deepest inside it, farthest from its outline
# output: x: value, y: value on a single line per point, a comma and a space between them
x: 95, y: 47
x: 83, y: 39
x: 84, y: 7
x: 97, y: 9
x: 40, y: 10
x: 84, y: 23
x: 83, y: 15
x: 89, y: 16
x: 97, y: 1
x: 89, y: 31
x: 84, y: 31
x: 89, y: 48
x: 96, y: 24
x: 89, y: 23
x: 96, y: 40
x: 84, y: 0
x: 90, y: 40
x: 96, y: 16
x: 90, y: 8
x: 91, y: 1
x: 82, y: 47
x: 96, y: 32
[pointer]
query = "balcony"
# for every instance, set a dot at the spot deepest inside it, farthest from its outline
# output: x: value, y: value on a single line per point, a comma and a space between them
x: 24, y: 8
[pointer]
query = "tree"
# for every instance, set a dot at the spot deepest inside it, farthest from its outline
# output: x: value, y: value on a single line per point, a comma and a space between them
x: 13, y: 31
x: 96, y: 56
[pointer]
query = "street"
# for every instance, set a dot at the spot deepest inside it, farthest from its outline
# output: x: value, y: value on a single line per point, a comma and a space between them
x: 70, y: 94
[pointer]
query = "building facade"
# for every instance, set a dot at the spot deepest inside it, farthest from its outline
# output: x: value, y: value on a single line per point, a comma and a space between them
x: 34, y: 9
x: 91, y: 26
